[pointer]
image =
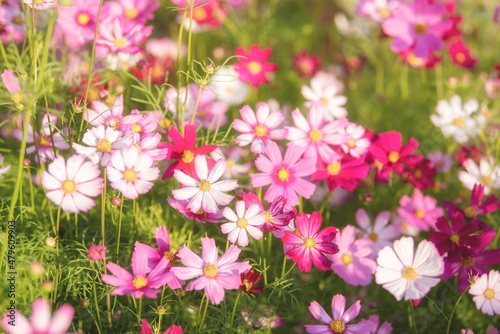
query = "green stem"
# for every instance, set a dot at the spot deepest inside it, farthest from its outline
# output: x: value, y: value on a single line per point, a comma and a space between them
x: 119, y: 230
x: 204, y: 314
x: 234, y: 309
x: 265, y: 259
x: 412, y: 319
x: 54, y: 296
x: 454, y: 309
x: 95, y: 296
x: 139, y: 311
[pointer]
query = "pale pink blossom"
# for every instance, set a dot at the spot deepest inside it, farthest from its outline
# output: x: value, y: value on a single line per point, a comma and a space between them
x: 104, y: 115
x: 357, y: 145
x: 486, y: 174
x: 39, y: 4
x: 242, y: 222
x: 441, y: 161
x: 380, y: 233
x: 325, y: 88
x: 486, y: 292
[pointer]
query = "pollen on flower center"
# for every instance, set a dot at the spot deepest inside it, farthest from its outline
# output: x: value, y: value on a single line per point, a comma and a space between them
x: 338, y: 326
x: 165, y: 124
x: 254, y: 67
x: 333, y: 169
x: 199, y: 14
x: 393, y: 157
x: 459, y: 122
x: 230, y: 164
x: 470, y: 212
x: 210, y: 270
x: 137, y: 128
x: 384, y: 13
x: 351, y: 143
x: 138, y: 147
x: 17, y: 20
x: 269, y: 216
x: 169, y: 255
x: 120, y: 42
x: 418, y: 174
x: 242, y: 223
x: 130, y: 175
x: 485, y: 180
x: 373, y: 236
x: 131, y: 13
x: 204, y: 185
x: 454, y: 238
x: 187, y: 156
x: 467, y: 262
x: 297, y: 232
x: 409, y: 273
x: 139, y: 282
x: 315, y: 135
x: 309, y: 243
x: 346, y: 259
x: 68, y: 186
x: 324, y: 101
x: 43, y: 141
x: 283, y: 174
x: 489, y: 294
x: 420, y: 28
x: 260, y: 130
x: 460, y: 57
x: 83, y: 19
x: 39, y: 2
x: 419, y: 213
x: 104, y: 146
x: 199, y: 212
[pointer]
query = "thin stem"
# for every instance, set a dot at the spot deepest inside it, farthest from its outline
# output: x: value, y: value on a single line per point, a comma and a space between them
x: 95, y: 296
x: 54, y: 296
x: 412, y: 313
x: 470, y: 321
x: 404, y: 82
x: 139, y: 311
x: 204, y: 314
x: 454, y: 309
x: 265, y: 259
x: 119, y: 230
x: 234, y: 309
x: 103, y: 207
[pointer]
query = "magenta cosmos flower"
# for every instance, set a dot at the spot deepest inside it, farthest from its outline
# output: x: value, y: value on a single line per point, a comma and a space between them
x: 146, y: 328
x: 345, y: 172
x: 284, y: 174
x: 131, y: 172
x: 418, y: 26
x: 310, y: 243
x: 215, y: 274
x: 353, y: 263
x: 337, y: 324
x: 70, y: 184
x: 242, y: 222
x: 407, y: 274
x: 140, y: 282
x: 253, y: 67
x: 41, y: 321
x: 259, y: 129
x: 316, y: 136
x: 276, y: 214
x: 208, y: 192
x: 96, y: 252
x: 486, y: 292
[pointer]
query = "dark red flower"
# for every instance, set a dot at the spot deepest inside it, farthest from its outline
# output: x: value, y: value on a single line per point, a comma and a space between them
x: 248, y: 281
x: 460, y: 55
x: 420, y: 175
x: 463, y: 153
x: 306, y: 65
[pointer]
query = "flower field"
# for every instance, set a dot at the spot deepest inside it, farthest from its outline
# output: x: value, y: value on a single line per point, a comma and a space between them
x: 245, y: 166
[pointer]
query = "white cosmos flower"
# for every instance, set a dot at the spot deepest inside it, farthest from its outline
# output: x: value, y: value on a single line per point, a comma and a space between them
x: 242, y: 222
x: 486, y: 174
x: 409, y: 275
x: 227, y: 87
x: 486, y: 292
x: 206, y: 193
x: 461, y: 122
x: 325, y: 88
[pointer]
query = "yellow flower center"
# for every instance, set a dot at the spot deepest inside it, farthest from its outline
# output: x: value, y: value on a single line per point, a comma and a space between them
x: 384, y: 13
x: 187, y: 156
x: 68, y: 186
x: 470, y: 212
x: 269, y: 216
x: 460, y: 57
x: 297, y: 232
x: 409, y: 273
x: 254, y: 67
x: 120, y: 42
x: 199, y: 14
x: 83, y: 19
x: 230, y: 164
x: 373, y: 236
x: 169, y: 255
x: 351, y: 143
x: 333, y: 169
x: 165, y: 124
x: 210, y: 270
x: 309, y: 243
x: 283, y: 175
x: 131, y: 13
x: 324, y: 101
x: 337, y: 326
x: 17, y: 98
x: 455, y: 238
x: 467, y: 262
x: 43, y: 141
x: 459, y: 122
x: 204, y: 185
x: 489, y: 294
x: 315, y: 135
x: 242, y: 223
x: 199, y: 212
x: 130, y: 175
x: 104, y: 146
x: 420, y: 28
x: 346, y: 259
x: 418, y: 174
x: 485, y: 180
x: 305, y: 66
x: 137, y: 128
x: 393, y: 157
x: 139, y: 282
x: 419, y: 213
x: 260, y: 130
x: 38, y: 2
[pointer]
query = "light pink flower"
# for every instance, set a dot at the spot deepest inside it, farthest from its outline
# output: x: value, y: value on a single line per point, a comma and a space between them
x: 119, y: 35
x: 200, y: 215
x: 78, y: 21
x: 379, y: 233
x: 259, y: 129
x: 215, y: 274
x: 385, y: 327
x: 148, y: 145
x: 492, y: 87
x: 352, y: 263
x: 69, y: 185
x: 104, y: 115
x: 138, y: 124
x: 419, y: 211
x: 243, y: 222
x: 441, y: 161
x: 284, y: 174
x: 485, y: 173
x: 486, y: 292
x: 233, y: 155
x: 378, y: 10
x: 357, y: 144
x: 207, y: 193
x: 138, y: 11
x: 325, y: 88
x: 11, y: 82
x: 409, y: 275
x: 41, y: 320
x: 131, y: 172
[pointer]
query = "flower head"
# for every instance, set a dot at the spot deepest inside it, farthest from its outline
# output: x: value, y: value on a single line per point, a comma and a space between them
x: 243, y: 222
x: 325, y: 89
x: 96, y: 252
x: 380, y: 233
x: 486, y: 292
x: 277, y: 215
x: 253, y: 66
x: 484, y: 173
x: 248, y: 281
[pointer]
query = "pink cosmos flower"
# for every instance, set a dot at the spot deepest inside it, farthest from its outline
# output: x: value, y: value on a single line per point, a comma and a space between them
x: 310, y: 243
x: 233, y: 156
x: 154, y: 256
x: 486, y: 292
x: 102, y: 143
x: 325, y: 88
x: 200, y: 215
x: 118, y: 35
x: 104, y: 115
x: 241, y: 223
x: 358, y: 144
x: 149, y: 144
x: 379, y: 233
x: 78, y: 21
x: 253, y: 67
x: 206, y: 14
x: 69, y: 185
x: 39, y: 4
x: 441, y: 161
x: 316, y: 136
x: 353, y: 263
x: 138, y: 11
x: 277, y: 215
x: 385, y: 327
x: 14, y: 27
x: 140, y: 282
x: 138, y: 124
x: 460, y: 54
x: 259, y: 129
x: 284, y: 174
x: 337, y: 324
x: 41, y: 321
x: 146, y: 328
x: 419, y: 211
x: 378, y: 10
x: 407, y: 274
x: 131, y: 172
x: 418, y: 25
x: 11, y: 82
x: 208, y: 192
x: 215, y: 274
x: 492, y: 87
x: 96, y: 252
x: 342, y: 172
x: 306, y: 65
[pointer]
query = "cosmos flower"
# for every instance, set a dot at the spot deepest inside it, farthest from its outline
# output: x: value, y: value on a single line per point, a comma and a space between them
x: 119, y: 35
x: 460, y: 54
x: 358, y: 144
x: 253, y: 66
x: 385, y: 327
x: 227, y: 88
x: 243, y: 222
x: 305, y: 64
x: 277, y: 215
x: 378, y: 10
x: 104, y: 115
x: 380, y: 233
x: 325, y: 88
x: 77, y: 22
x: 96, y: 252
x: 200, y: 215
x: 484, y: 173
x: 441, y: 161
x: 345, y: 172
x: 419, y: 211
x: 486, y: 292
x: 146, y: 328
x: 39, y: 4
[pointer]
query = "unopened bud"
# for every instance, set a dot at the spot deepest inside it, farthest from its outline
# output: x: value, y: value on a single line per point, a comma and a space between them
x: 116, y: 201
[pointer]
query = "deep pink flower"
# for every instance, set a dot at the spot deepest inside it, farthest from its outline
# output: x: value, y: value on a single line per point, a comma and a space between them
x: 342, y: 172
x: 460, y: 55
x: 419, y: 211
x: 248, y: 281
x: 206, y: 14
x: 146, y: 328
x: 420, y: 174
x: 215, y: 274
x: 491, y: 204
x: 284, y: 174
x: 417, y: 62
x: 96, y: 252
x: 276, y: 214
x: 306, y: 65
x: 253, y: 67
x: 310, y: 243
